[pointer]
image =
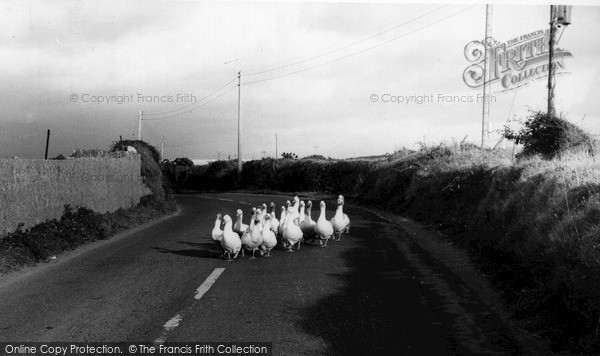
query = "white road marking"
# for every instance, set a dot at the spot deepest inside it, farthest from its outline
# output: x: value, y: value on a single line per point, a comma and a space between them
x: 174, y: 321
x: 210, y: 280
x: 169, y: 325
x: 223, y: 199
x: 243, y: 202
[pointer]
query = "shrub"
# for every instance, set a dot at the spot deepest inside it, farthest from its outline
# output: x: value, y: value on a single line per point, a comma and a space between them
x: 549, y: 136
x: 161, y: 196
x: 289, y: 155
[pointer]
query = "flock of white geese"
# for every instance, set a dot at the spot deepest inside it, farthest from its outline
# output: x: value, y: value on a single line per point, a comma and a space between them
x: 294, y: 226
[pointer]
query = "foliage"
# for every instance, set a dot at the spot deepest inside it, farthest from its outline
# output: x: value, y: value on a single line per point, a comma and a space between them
x: 549, y: 136
x: 533, y: 226
x: 161, y: 196
x: 316, y: 157
x: 183, y: 162
x: 271, y: 174
x: 139, y: 146
x: 289, y: 155
x: 74, y: 228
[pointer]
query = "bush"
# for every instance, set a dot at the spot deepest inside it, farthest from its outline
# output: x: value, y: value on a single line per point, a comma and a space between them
x: 289, y: 155
x: 161, y: 197
x: 549, y: 136
x: 284, y: 175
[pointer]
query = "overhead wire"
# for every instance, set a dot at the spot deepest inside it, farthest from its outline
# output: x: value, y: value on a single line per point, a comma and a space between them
x: 313, y: 53
x: 150, y: 132
x: 192, y: 109
x: 194, y: 103
x: 178, y: 146
x: 361, y: 51
x: 346, y: 46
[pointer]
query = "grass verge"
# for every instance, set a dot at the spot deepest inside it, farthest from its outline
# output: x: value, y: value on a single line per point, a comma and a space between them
x: 75, y: 228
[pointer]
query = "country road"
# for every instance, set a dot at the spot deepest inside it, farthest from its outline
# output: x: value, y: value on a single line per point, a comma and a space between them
x: 374, y: 292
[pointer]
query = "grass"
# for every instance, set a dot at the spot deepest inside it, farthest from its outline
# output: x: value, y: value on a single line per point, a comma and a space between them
x: 75, y: 228
x: 533, y: 225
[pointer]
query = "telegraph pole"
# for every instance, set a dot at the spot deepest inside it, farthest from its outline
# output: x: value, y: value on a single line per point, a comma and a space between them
x: 239, y: 124
x: 162, y: 149
x: 276, y: 147
x: 552, y: 67
x: 485, y: 119
x: 140, y: 126
x: 47, y: 143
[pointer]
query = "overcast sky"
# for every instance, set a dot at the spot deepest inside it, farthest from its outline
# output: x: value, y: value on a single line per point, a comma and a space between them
x: 316, y: 67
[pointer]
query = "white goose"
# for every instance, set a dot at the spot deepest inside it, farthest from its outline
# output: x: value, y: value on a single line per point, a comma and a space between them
x: 274, y: 221
x: 239, y: 226
x: 296, y: 209
x: 263, y: 214
x: 308, y: 225
x: 340, y: 221
x: 323, y: 228
x: 268, y: 238
x: 282, y: 219
x: 230, y: 242
x: 291, y: 232
x: 252, y: 238
x: 217, y: 233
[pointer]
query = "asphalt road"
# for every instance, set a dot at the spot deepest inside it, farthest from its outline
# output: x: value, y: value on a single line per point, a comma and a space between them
x: 374, y: 292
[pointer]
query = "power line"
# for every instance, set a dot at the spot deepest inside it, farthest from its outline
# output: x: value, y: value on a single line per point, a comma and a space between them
x: 194, y: 103
x: 361, y: 51
x: 310, y: 54
x: 309, y: 68
x: 192, y: 109
x: 347, y: 46
x: 150, y: 132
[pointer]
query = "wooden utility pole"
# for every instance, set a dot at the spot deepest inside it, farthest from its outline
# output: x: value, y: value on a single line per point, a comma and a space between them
x: 47, y: 144
x: 140, y: 126
x: 552, y: 67
x: 162, y: 149
x: 276, y: 153
x: 239, y: 172
x: 485, y: 117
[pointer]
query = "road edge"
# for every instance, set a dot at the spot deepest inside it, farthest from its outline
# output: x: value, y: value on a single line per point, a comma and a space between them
x: 457, y: 260
x: 12, y: 277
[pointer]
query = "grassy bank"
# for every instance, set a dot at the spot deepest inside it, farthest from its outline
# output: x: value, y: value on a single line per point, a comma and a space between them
x: 75, y: 228
x: 532, y: 224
